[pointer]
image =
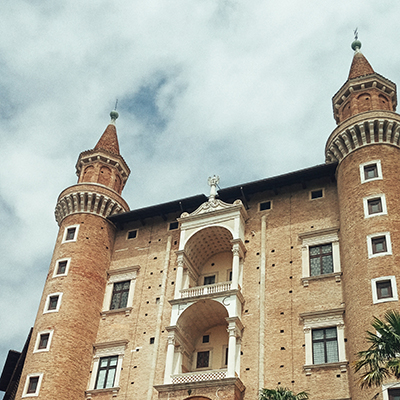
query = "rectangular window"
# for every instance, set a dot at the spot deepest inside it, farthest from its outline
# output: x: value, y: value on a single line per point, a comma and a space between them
x: 203, y: 359
x: 43, y: 341
x: 316, y: 194
x: 226, y: 356
x: 266, y: 205
x: 173, y: 225
x: 70, y: 233
x: 206, y: 339
x: 61, y: 267
x: 379, y: 245
x: 106, y: 372
x: 375, y: 206
x: 394, y: 394
x: 384, y: 289
x: 120, y: 294
x: 325, y: 346
x: 132, y: 234
x: 209, y: 280
x: 33, y: 384
x: 53, y: 301
x: 370, y: 171
x: 321, y: 260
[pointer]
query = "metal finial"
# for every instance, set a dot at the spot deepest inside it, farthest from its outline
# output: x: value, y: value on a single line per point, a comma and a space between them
x: 116, y: 104
x: 356, y: 45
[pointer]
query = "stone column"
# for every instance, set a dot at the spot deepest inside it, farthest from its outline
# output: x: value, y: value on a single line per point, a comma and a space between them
x: 231, y: 351
x: 179, y: 277
x: 169, y: 362
x: 235, y: 266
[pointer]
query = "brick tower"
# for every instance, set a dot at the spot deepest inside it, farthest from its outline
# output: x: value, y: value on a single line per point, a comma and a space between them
x: 69, y: 310
x: 366, y: 146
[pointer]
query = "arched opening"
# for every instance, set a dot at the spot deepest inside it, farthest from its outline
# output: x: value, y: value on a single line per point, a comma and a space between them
x: 88, y: 174
x: 204, y: 327
x: 105, y: 176
x: 383, y: 102
x: 117, y: 184
x: 346, y: 111
x: 364, y: 102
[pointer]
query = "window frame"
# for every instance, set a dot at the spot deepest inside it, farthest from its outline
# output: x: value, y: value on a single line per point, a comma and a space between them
x: 107, y: 369
x: 318, y: 238
x: 114, y: 292
x: 366, y: 201
x: 117, y: 276
x: 171, y: 226
x: 394, y: 297
x: 324, y: 341
x: 320, y: 257
x: 319, y: 320
x: 64, y: 239
x: 203, y: 350
x: 47, y: 303
x: 68, y: 260
x: 102, y: 350
x: 386, y: 387
x: 265, y: 202
x: 26, y: 385
x: 132, y: 230
x: 370, y: 244
x: 378, y: 169
x: 316, y: 190
x: 38, y: 337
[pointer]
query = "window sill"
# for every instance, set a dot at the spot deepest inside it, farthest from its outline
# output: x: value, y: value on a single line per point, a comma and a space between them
x: 90, y: 393
x: 126, y: 310
x: 342, y: 365
x: 336, y: 275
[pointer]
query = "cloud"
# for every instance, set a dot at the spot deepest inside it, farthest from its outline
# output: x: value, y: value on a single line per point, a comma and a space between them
x: 238, y: 89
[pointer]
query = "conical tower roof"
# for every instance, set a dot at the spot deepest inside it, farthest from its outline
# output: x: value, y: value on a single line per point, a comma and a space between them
x: 109, y: 139
x: 360, y: 66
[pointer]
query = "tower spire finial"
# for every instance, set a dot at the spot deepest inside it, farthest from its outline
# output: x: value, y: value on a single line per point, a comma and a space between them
x: 356, y: 45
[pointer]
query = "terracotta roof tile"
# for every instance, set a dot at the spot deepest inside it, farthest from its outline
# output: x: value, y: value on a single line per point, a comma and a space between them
x: 109, y: 140
x: 360, y: 66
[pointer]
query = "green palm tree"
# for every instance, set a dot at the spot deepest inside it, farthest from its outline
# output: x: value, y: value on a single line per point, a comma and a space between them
x: 281, y: 393
x: 382, y: 359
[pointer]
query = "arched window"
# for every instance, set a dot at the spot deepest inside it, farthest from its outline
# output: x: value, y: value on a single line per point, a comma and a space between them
x: 364, y: 102
x: 105, y: 175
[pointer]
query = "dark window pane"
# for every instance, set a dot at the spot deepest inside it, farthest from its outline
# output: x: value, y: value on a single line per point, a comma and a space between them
x: 206, y: 338
x: 106, y: 373
x: 203, y: 358
x: 120, y: 295
x: 209, y: 280
x: 33, y: 383
x: 374, y: 206
x: 321, y: 261
x: 132, y: 234
x: 379, y: 245
x: 53, y: 303
x: 394, y: 394
x: 62, y: 266
x: 384, y: 289
x: 371, y: 171
x: 325, y: 348
x: 265, y: 206
x: 173, y: 225
x: 316, y: 194
x: 44, y: 339
x: 70, y: 233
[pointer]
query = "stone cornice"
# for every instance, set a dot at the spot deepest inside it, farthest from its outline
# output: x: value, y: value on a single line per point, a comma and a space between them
x: 365, y: 129
x: 81, y: 200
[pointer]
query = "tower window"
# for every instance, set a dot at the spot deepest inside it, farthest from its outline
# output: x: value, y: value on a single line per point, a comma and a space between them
x: 43, y: 341
x: 370, y: 171
x: 53, y: 302
x: 120, y: 294
x: 325, y: 346
x: 266, y: 205
x: 106, y: 372
x: 384, y: 289
x: 70, y: 233
x: 61, y: 267
x: 374, y: 205
x: 203, y: 359
x: 379, y: 244
x: 321, y: 261
x: 32, y: 385
x: 132, y: 234
x: 394, y: 394
x: 173, y: 225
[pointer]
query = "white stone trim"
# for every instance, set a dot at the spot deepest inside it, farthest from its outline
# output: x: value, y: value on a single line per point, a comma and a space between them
x: 46, y: 305
x: 33, y: 375
x: 107, y: 350
x: 378, y: 167
x: 388, y: 244
x: 120, y: 275
x: 315, y: 238
x: 64, y: 239
x: 36, y: 348
x: 371, y: 197
x: 323, y: 319
x: 386, y: 386
x: 392, y: 280
x: 68, y: 260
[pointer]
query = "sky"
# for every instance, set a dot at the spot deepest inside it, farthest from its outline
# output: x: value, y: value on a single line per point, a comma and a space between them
x: 240, y: 89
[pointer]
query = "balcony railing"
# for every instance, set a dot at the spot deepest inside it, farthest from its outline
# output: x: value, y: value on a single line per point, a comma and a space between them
x: 206, y: 289
x: 199, y: 376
